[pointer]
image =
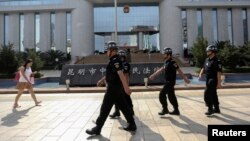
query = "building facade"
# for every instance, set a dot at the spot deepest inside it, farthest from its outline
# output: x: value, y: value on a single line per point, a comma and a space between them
x: 83, y: 26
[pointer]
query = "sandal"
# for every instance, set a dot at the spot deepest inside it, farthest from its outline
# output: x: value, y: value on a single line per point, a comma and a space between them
x: 38, y: 103
x: 16, y: 106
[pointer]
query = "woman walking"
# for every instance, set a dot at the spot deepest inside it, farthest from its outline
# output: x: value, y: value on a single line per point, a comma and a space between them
x: 25, y: 83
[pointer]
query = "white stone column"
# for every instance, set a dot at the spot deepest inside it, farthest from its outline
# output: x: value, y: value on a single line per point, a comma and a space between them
x: 248, y: 23
x: 222, y: 25
x: 170, y: 26
x: 83, y: 29
x: 29, y: 30
x: 1, y: 29
x: 44, y: 44
x: 192, y: 26
x: 207, y: 25
x: 14, y: 30
x: 238, y: 36
x: 140, y: 41
x: 60, y: 35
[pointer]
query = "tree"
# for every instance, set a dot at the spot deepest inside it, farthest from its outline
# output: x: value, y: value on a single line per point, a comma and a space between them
x: 37, y: 62
x: 244, y: 52
x: 228, y: 54
x: 8, y: 59
x: 199, y: 51
x: 54, y: 58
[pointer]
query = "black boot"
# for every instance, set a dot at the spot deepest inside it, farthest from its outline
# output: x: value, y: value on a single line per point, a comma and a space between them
x: 115, y: 114
x: 175, y: 112
x: 163, y: 112
x: 216, y: 109
x: 130, y: 127
x: 94, y: 131
x: 210, y: 111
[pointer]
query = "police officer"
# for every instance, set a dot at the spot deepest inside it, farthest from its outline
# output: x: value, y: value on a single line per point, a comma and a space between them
x: 170, y: 67
x: 212, y: 68
x: 116, y: 87
x: 126, y: 72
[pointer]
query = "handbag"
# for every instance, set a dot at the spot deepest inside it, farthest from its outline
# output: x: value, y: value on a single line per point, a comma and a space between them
x: 17, y: 76
x: 32, y: 79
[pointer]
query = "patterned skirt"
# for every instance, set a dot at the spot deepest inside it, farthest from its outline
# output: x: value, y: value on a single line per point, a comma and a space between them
x: 23, y: 85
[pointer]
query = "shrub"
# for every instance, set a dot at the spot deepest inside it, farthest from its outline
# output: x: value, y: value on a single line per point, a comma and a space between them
x: 244, y: 52
x: 199, y: 51
x: 8, y: 59
x: 53, y: 57
x: 35, y: 56
x: 38, y: 75
x: 20, y: 58
x: 228, y: 54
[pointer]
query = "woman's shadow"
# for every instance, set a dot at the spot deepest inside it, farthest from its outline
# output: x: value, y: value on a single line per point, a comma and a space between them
x: 12, y: 118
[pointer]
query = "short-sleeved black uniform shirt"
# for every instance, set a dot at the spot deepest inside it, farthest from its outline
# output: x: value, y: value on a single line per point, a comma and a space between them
x: 170, y: 67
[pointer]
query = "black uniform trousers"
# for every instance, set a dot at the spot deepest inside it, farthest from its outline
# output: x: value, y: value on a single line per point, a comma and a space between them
x: 111, y: 97
x: 168, y: 88
x: 129, y: 102
x: 210, y: 94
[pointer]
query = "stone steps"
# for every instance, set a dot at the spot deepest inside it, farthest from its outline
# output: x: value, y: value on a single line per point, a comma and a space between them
x: 135, y: 58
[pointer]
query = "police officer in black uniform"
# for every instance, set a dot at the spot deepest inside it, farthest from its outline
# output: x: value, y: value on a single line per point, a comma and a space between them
x: 116, y: 87
x: 126, y: 72
x: 213, y: 69
x: 170, y: 67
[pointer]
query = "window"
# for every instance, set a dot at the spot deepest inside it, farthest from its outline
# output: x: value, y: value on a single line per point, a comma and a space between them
x: 230, y: 25
x: 199, y: 22
x: 52, y: 30
x: 69, y: 31
x: 37, y: 31
x: 215, y: 24
x: 245, y: 28
x: 6, y: 29
x: 136, y: 19
x: 29, y: 2
x: 184, y: 28
x: 21, y: 32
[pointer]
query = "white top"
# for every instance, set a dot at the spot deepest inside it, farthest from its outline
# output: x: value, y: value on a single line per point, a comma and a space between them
x: 27, y: 72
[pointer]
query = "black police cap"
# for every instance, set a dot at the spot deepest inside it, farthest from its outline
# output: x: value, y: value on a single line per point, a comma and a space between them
x: 167, y: 50
x: 212, y: 48
x: 122, y: 53
x: 112, y: 45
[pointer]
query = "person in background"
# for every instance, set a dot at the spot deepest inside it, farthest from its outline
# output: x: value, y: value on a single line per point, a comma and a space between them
x: 24, y: 82
x: 128, y: 56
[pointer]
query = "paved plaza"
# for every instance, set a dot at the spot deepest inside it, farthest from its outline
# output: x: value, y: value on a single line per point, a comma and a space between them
x: 65, y: 117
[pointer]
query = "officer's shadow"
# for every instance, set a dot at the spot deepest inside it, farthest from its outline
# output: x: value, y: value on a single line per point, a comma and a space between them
x: 138, y: 135
x: 229, y: 119
x: 98, y: 138
x: 12, y: 118
x: 189, y: 126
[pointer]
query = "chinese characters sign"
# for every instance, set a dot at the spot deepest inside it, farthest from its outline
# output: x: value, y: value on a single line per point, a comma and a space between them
x: 87, y: 75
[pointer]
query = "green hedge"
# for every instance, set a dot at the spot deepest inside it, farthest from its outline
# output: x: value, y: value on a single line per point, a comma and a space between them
x: 230, y: 55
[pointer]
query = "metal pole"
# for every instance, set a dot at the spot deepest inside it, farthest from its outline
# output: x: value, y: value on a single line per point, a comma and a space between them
x: 116, y: 25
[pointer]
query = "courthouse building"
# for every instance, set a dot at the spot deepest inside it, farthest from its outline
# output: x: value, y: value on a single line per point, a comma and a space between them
x: 83, y: 26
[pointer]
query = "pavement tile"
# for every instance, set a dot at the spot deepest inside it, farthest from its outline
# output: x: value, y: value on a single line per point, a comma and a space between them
x: 65, y: 117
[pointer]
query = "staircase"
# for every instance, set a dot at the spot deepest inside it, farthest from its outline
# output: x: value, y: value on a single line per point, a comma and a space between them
x: 135, y: 58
